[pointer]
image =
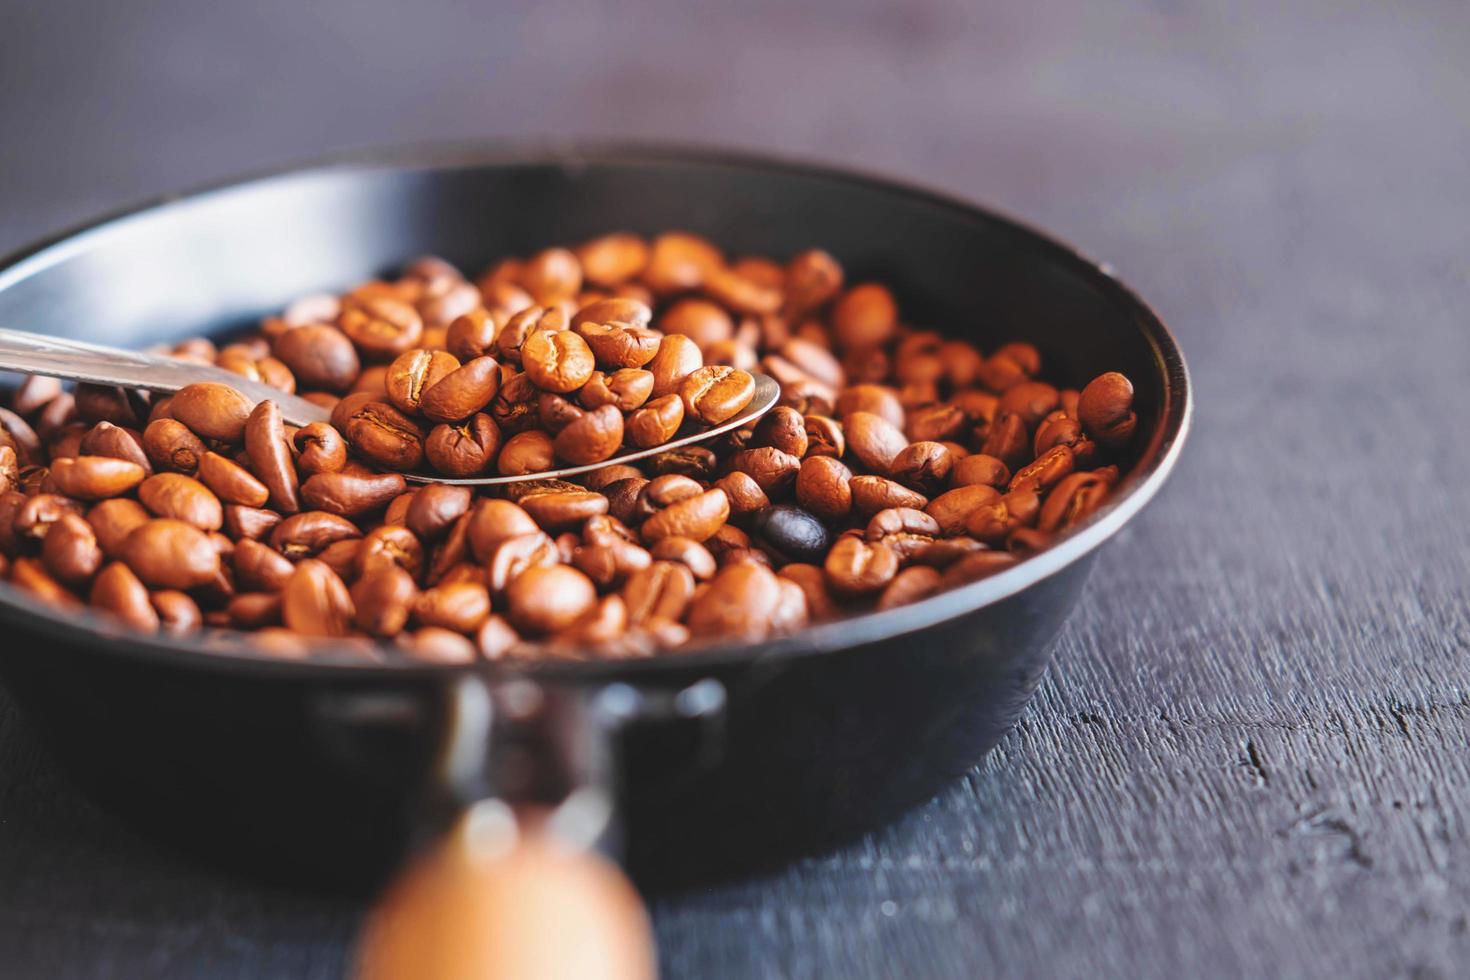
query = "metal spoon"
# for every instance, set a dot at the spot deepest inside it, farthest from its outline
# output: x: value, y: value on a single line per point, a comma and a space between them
x: 76, y: 360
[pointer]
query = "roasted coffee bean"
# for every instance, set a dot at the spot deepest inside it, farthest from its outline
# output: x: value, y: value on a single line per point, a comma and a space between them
x: 546, y: 598
x: 923, y: 466
x: 824, y: 487
x: 953, y: 509
x: 873, y: 441
x: 858, y: 567
x: 557, y: 510
x: 321, y: 448
x: 463, y: 449
x: 790, y: 534
x: 414, y: 372
x: 118, y: 591
x: 1007, y: 440
x: 70, y: 551
x: 1105, y: 409
x: 472, y: 334
x: 349, y: 494
x: 319, y: 355
x: 386, y: 437
x: 392, y: 542
x: 772, y: 469
x: 716, y: 393
x: 700, y: 320
x: 609, y: 563
x: 696, y: 517
x: 1032, y: 400
x: 307, y: 534
x: 688, y: 552
x: 459, y: 606
x: 677, y: 358
x: 106, y: 439
x: 113, y: 520
x: 813, y: 278
x: 35, y: 514
x: 95, y: 477
x: 435, y: 508
x: 871, y: 494
x: 212, y: 410
x: 612, y: 259
x: 33, y: 394
x: 556, y: 412
x: 599, y: 480
x: 463, y: 392
x: 745, y: 495
x: 901, y: 520
x: 1042, y: 473
x: 382, y: 598
x: 249, y: 522
x: 31, y: 576
x: 1071, y: 500
x: 740, y: 603
x: 182, y: 498
x: 171, y: 554
x: 617, y: 346
x: 382, y: 327
x: 657, y: 422
x: 626, y: 389
x: 270, y: 456
x: 232, y: 483
x: 104, y: 403
x: 910, y: 585
x: 662, y: 590
x: 824, y: 436
x: 975, y: 566
x: 526, y: 452
x: 591, y: 438
x: 315, y: 601
x: 978, y: 468
x: 558, y: 361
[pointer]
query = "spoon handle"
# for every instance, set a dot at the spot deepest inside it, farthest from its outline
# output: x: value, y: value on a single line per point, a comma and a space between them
x: 76, y: 360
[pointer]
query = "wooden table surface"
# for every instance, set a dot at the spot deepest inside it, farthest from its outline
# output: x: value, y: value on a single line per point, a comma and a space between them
x: 1250, y: 756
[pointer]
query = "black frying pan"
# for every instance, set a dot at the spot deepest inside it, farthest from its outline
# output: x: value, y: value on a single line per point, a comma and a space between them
x: 718, y: 759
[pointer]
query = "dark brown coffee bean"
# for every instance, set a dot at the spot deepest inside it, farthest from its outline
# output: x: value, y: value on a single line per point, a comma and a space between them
x: 386, y: 437
x: 857, y: 567
x: 626, y: 389
x: 463, y: 392
x: 463, y: 449
x: 106, y: 439
x: 349, y: 494
x: 459, y: 606
x: 910, y: 585
x: 212, y: 410
x: 381, y: 326
x: 975, y: 566
x: 119, y: 592
x: 696, y: 517
x: 1032, y: 400
x: 1042, y: 473
x: 316, y: 602
x: 413, y: 373
x: 182, y: 498
x: 547, y: 598
x: 232, y: 483
x: 873, y: 440
x: 557, y: 510
x: 95, y: 477
x: 745, y: 495
x: 1105, y: 409
x: 657, y: 422
x: 1007, y: 440
x: 593, y: 437
x: 558, y: 361
x: 307, y: 534
x: 871, y: 494
x: 70, y: 551
x: 319, y: 355
x: 526, y: 452
x: 435, y: 508
x: 171, y: 554
x: 612, y: 259
x: 739, y: 604
x: 823, y: 486
x: 790, y: 534
x: 923, y: 466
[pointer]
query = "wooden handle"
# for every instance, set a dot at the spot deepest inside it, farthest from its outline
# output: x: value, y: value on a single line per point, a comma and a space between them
x: 487, y: 905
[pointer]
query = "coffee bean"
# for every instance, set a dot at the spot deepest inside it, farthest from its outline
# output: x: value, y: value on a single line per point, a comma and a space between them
x: 857, y: 567
x: 790, y: 534
x: 118, y: 591
x: 657, y: 422
x: 315, y: 601
x: 677, y: 358
x: 716, y: 393
x: 739, y: 604
x: 307, y: 534
x: 212, y: 410
x: 95, y: 477
x: 106, y: 439
x: 350, y: 494
x: 182, y: 498
x: 413, y: 373
x: 319, y: 355
x: 546, y: 598
x: 386, y: 437
x: 231, y: 482
x: 270, y: 456
x: 171, y: 554
x: 593, y: 437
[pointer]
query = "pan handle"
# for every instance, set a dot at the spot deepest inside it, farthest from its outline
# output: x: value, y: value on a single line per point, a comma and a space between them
x: 520, y: 885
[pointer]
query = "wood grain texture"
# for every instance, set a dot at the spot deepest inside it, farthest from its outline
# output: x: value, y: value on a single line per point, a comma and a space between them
x: 1250, y: 757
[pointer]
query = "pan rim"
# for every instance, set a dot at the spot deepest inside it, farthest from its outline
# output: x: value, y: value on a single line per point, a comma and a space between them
x: 1159, y: 457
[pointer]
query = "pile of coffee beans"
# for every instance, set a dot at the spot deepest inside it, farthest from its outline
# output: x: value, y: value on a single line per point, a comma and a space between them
x: 898, y: 463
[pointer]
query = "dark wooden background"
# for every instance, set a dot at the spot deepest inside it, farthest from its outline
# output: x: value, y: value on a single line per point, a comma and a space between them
x: 1250, y: 756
